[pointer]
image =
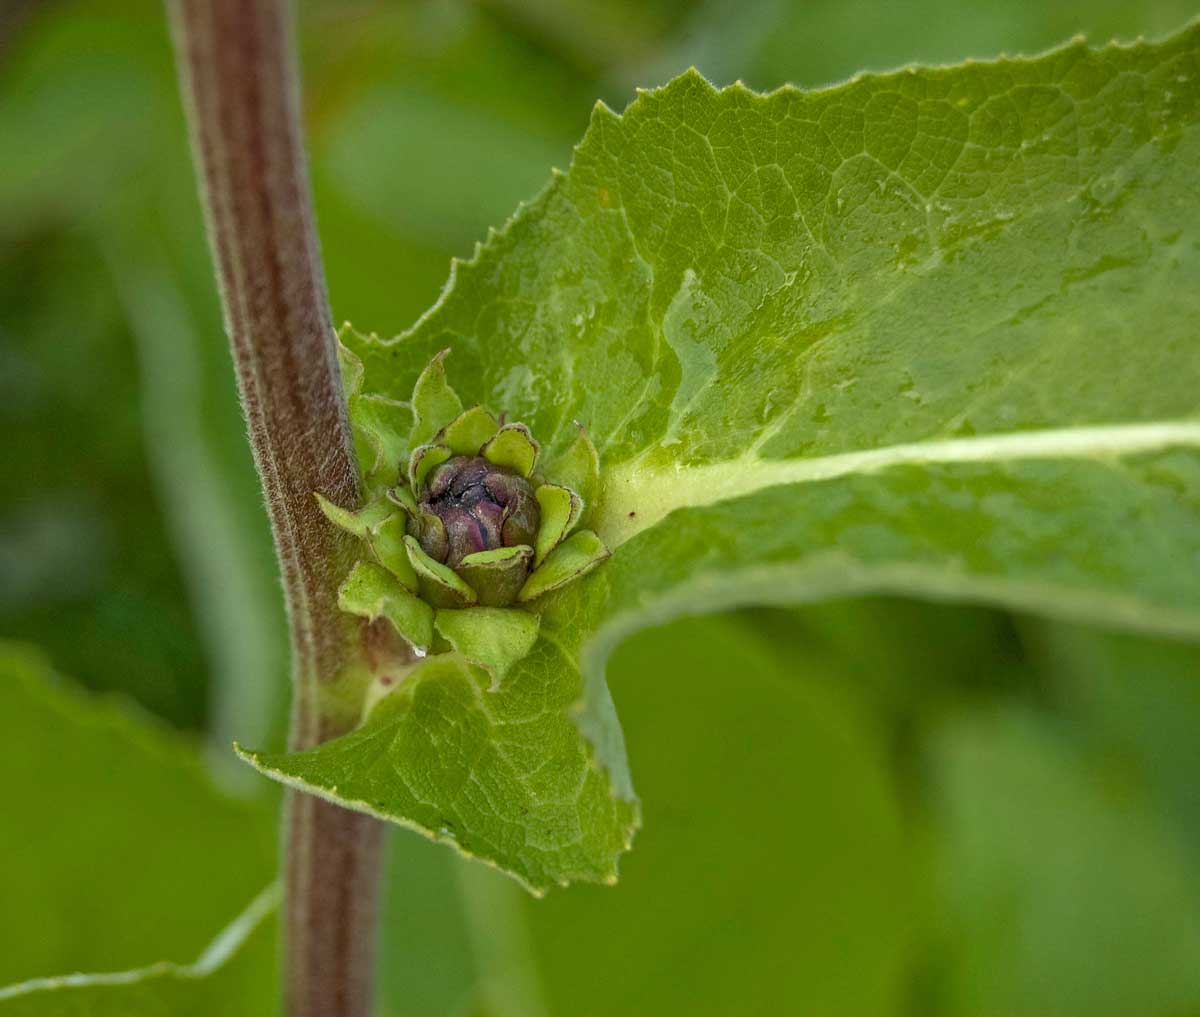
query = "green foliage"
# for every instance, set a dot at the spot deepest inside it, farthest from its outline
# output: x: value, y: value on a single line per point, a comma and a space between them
x: 133, y: 546
x: 80, y: 551
x: 929, y: 332
x: 963, y: 704
x: 773, y: 843
x: 504, y: 774
x: 234, y: 977
x: 776, y: 849
x: 139, y: 859
x: 495, y: 638
x: 1024, y: 913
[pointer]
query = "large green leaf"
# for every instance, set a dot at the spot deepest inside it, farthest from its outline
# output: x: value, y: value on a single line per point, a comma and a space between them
x: 929, y: 332
x: 504, y: 776
x: 234, y: 977
x: 118, y: 850
x: 775, y: 877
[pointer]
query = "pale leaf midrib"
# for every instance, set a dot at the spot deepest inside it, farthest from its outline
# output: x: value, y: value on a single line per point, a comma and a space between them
x: 638, y: 494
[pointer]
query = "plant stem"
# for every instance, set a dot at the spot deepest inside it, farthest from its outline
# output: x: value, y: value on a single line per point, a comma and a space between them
x: 239, y: 84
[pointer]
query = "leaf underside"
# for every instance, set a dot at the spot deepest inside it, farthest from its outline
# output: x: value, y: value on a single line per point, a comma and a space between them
x: 930, y: 332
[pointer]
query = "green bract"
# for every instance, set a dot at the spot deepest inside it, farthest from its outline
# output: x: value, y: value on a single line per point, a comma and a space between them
x: 460, y: 516
x: 930, y: 333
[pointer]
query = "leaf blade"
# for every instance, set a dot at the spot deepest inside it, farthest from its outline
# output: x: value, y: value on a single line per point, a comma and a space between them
x: 929, y: 332
x: 505, y: 777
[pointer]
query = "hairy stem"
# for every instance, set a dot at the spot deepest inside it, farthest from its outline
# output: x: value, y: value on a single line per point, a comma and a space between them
x: 239, y: 83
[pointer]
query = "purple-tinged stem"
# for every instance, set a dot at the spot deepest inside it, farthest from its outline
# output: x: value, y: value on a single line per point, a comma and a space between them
x: 239, y: 83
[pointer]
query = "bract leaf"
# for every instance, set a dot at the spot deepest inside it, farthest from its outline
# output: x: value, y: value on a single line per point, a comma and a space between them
x: 561, y: 509
x: 371, y: 591
x: 513, y: 447
x: 497, y: 576
x: 440, y: 586
x: 578, y: 468
x: 574, y: 557
x: 423, y: 460
x: 434, y: 402
x: 469, y: 432
x: 496, y: 638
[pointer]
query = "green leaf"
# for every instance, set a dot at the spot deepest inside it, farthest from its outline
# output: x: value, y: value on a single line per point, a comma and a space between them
x: 785, y: 812
x: 940, y: 273
x: 930, y: 332
x: 503, y: 776
x: 496, y: 638
x: 371, y: 592
x: 121, y: 852
x: 235, y: 976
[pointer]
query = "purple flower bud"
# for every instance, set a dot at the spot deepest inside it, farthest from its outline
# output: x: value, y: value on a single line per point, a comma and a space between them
x: 470, y: 504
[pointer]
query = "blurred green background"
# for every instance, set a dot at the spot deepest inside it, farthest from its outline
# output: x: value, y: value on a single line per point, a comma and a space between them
x: 863, y: 808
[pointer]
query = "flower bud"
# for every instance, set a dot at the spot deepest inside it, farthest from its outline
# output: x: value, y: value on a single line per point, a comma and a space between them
x: 460, y: 520
x: 471, y: 505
